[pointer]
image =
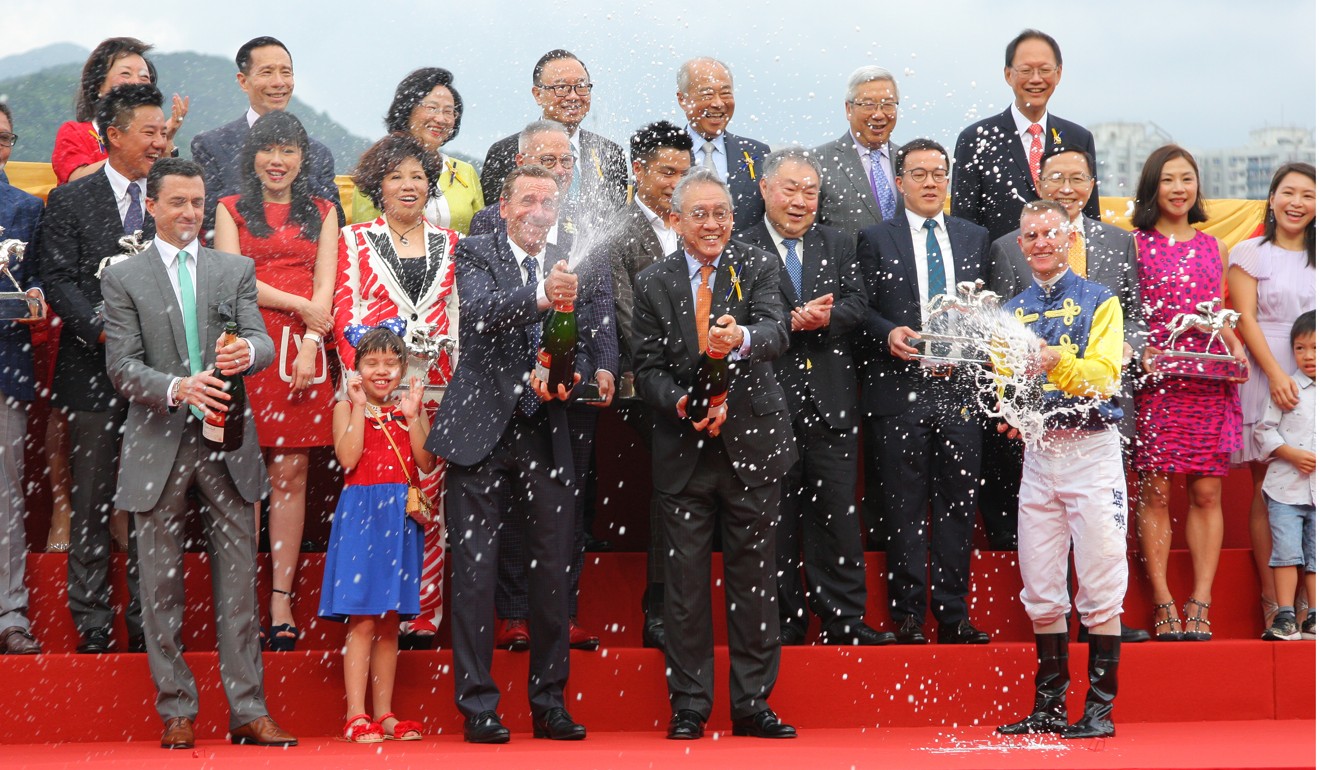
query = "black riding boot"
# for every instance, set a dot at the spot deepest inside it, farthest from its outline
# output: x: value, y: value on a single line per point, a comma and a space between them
x: 1095, y: 721
x: 1050, y: 713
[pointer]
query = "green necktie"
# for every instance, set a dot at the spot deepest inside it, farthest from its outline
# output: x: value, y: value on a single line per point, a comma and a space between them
x: 188, y: 300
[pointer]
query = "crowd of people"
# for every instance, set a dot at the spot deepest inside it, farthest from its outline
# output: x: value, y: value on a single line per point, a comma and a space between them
x: 810, y: 271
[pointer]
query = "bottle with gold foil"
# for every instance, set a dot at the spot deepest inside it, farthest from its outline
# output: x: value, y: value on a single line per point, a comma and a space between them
x: 711, y: 388
x: 559, y: 337
x: 223, y: 431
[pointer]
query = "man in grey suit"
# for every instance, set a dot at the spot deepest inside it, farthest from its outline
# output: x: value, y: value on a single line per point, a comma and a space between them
x: 162, y: 308
x: 857, y: 169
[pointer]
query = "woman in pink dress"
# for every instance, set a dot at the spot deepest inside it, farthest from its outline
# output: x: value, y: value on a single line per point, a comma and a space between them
x: 1272, y: 281
x: 1185, y: 425
x: 292, y: 236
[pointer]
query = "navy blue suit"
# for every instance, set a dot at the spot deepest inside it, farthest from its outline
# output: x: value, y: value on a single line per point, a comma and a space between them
x: 743, y: 157
x: 20, y: 215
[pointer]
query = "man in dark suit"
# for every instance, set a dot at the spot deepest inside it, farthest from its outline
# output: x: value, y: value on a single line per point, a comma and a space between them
x: 543, y: 143
x: 84, y: 222
x: 265, y: 73
x: 857, y: 170
x: 20, y: 215
x: 997, y: 160
x: 817, y: 529
x: 720, y: 296
x: 661, y: 155
x: 507, y: 443
x: 163, y: 307
x: 705, y: 93
x: 562, y: 88
x: 925, y: 420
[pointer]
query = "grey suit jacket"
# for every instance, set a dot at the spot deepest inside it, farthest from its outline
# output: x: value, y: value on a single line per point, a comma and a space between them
x: 146, y: 349
x: 634, y: 249
x: 846, y: 199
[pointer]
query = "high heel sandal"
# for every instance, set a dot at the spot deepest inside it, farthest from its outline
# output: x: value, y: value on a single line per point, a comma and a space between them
x: 285, y: 636
x: 1171, y: 620
x: 1198, y: 619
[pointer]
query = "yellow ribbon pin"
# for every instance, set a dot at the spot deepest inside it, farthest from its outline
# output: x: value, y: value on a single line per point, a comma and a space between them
x: 1055, y: 133
x: 595, y: 159
x: 453, y: 173
x: 737, y: 284
x: 751, y: 167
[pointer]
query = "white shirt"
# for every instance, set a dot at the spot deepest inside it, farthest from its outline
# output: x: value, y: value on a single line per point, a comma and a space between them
x: 119, y: 184
x: 1023, y: 123
x: 542, y: 301
x: 694, y: 266
x: 1296, y: 428
x: 887, y: 172
x: 668, y: 237
x: 917, y: 225
x: 720, y: 157
x: 251, y: 116
x: 783, y: 250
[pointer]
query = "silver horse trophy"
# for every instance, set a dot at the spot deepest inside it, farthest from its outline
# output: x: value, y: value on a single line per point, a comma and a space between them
x: 423, y: 352
x: 15, y: 305
x: 1213, y: 363
x: 130, y: 245
x: 955, y: 331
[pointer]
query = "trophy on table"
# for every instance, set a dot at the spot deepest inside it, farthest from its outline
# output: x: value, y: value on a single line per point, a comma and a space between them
x: 423, y: 352
x: 15, y: 305
x: 1213, y: 363
x: 956, y: 329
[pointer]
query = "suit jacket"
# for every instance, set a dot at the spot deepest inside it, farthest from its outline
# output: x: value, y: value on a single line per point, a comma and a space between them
x: 495, y: 324
x: 889, y: 266
x: 634, y: 248
x: 758, y: 434
x: 80, y: 228
x: 991, y: 178
x: 146, y: 348
x: 744, y: 178
x: 846, y: 199
x: 602, y: 170
x: 819, y: 363
x: 20, y: 216
x: 218, y: 151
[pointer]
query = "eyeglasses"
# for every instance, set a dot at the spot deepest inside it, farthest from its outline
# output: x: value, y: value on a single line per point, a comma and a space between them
x: 432, y: 110
x: 1046, y: 71
x: 1058, y: 180
x: 8, y: 140
x: 887, y: 107
x: 562, y: 89
x: 919, y: 175
x: 550, y: 161
x: 720, y: 215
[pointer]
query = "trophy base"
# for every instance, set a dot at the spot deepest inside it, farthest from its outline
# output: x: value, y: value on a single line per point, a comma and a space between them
x: 430, y: 393
x: 17, y: 306
x: 1203, y: 366
x: 938, y: 351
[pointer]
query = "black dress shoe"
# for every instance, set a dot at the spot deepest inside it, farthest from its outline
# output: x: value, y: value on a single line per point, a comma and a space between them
x: 95, y: 642
x: 653, y: 634
x: 763, y: 725
x: 909, y: 632
x: 137, y: 644
x: 557, y: 725
x: 686, y: 725
x: 1129, y: 635
x: 856, y: 633
x: 962, y: 632
x: 791, y: 636
x: 485, y: 728
x: 596, y: 545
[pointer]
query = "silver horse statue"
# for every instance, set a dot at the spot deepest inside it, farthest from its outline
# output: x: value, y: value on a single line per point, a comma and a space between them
x: 1208, y: 318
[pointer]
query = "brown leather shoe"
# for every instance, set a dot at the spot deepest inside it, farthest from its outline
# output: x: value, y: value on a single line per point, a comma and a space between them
x: 18, y: 641
x: 262, y: 731
x: 178, y: 734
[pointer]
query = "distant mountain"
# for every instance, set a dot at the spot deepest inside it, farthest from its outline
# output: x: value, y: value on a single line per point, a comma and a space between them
x: 55, y: 54
x: 42, y: 100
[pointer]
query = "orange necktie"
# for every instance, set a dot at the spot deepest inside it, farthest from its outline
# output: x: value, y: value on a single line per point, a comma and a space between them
x: 1077, y: 256
x: 703, y: 306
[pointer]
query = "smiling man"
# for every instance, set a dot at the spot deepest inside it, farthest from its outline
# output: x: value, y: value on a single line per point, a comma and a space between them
x: 857, y: 170
x: 265, y: 73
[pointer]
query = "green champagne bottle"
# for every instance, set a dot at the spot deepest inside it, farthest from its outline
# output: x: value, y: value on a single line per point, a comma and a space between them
x: 711, y: 387
x: 555, y: 358
x: 223, y: 431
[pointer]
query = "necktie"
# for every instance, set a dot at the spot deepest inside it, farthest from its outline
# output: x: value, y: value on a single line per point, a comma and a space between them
x: 1037, y: 149
x: 529, y: 402
x: 884, y: 193
x: 708, y: 148
x: 1077, y: 256
x: 794, y: 265
x: 133, y: 217
x: 188, y: 304
x: 934, y: 262
x: 703, y: 306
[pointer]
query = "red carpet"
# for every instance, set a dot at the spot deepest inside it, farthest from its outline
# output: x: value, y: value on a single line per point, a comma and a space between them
x: 1270, y: 744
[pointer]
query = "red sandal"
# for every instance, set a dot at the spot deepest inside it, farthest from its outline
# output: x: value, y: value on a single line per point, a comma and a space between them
x: 404, y: 729
x: 360, y: 729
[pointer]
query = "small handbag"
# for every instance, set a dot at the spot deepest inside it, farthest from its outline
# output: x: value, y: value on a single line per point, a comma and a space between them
x: 418, y: 507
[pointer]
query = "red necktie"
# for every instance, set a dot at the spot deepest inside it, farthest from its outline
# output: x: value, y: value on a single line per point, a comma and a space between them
x: 1037, y: 149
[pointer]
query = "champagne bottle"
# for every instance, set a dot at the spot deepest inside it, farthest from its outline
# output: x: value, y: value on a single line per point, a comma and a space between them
x: 223, y: 431
x: 711, y: 387
x: 555, y: 358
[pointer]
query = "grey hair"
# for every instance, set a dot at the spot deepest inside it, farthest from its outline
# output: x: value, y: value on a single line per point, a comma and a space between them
x: 870, y: 73
x: 1042, y: 206
x: 538, y: 127
x: 685, y: 71
x: 770, y: 165
x: 695, y: 176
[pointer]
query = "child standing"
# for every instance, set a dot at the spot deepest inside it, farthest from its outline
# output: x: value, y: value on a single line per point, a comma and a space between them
x: 374, y: 561
x: 1288, y: 440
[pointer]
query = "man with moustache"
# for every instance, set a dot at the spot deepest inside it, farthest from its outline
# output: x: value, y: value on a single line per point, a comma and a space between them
x: 817, y: 531
x: 857, y: 170
x: 923, y: 418
x: 719, y: 297
x: 705, y: 94
x: 562, y: 89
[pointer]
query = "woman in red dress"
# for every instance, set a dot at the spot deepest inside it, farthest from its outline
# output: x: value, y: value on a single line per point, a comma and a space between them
x: 293, y: 237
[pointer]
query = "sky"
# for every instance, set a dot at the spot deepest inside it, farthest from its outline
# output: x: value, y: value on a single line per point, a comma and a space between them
x: 1206, y: 72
